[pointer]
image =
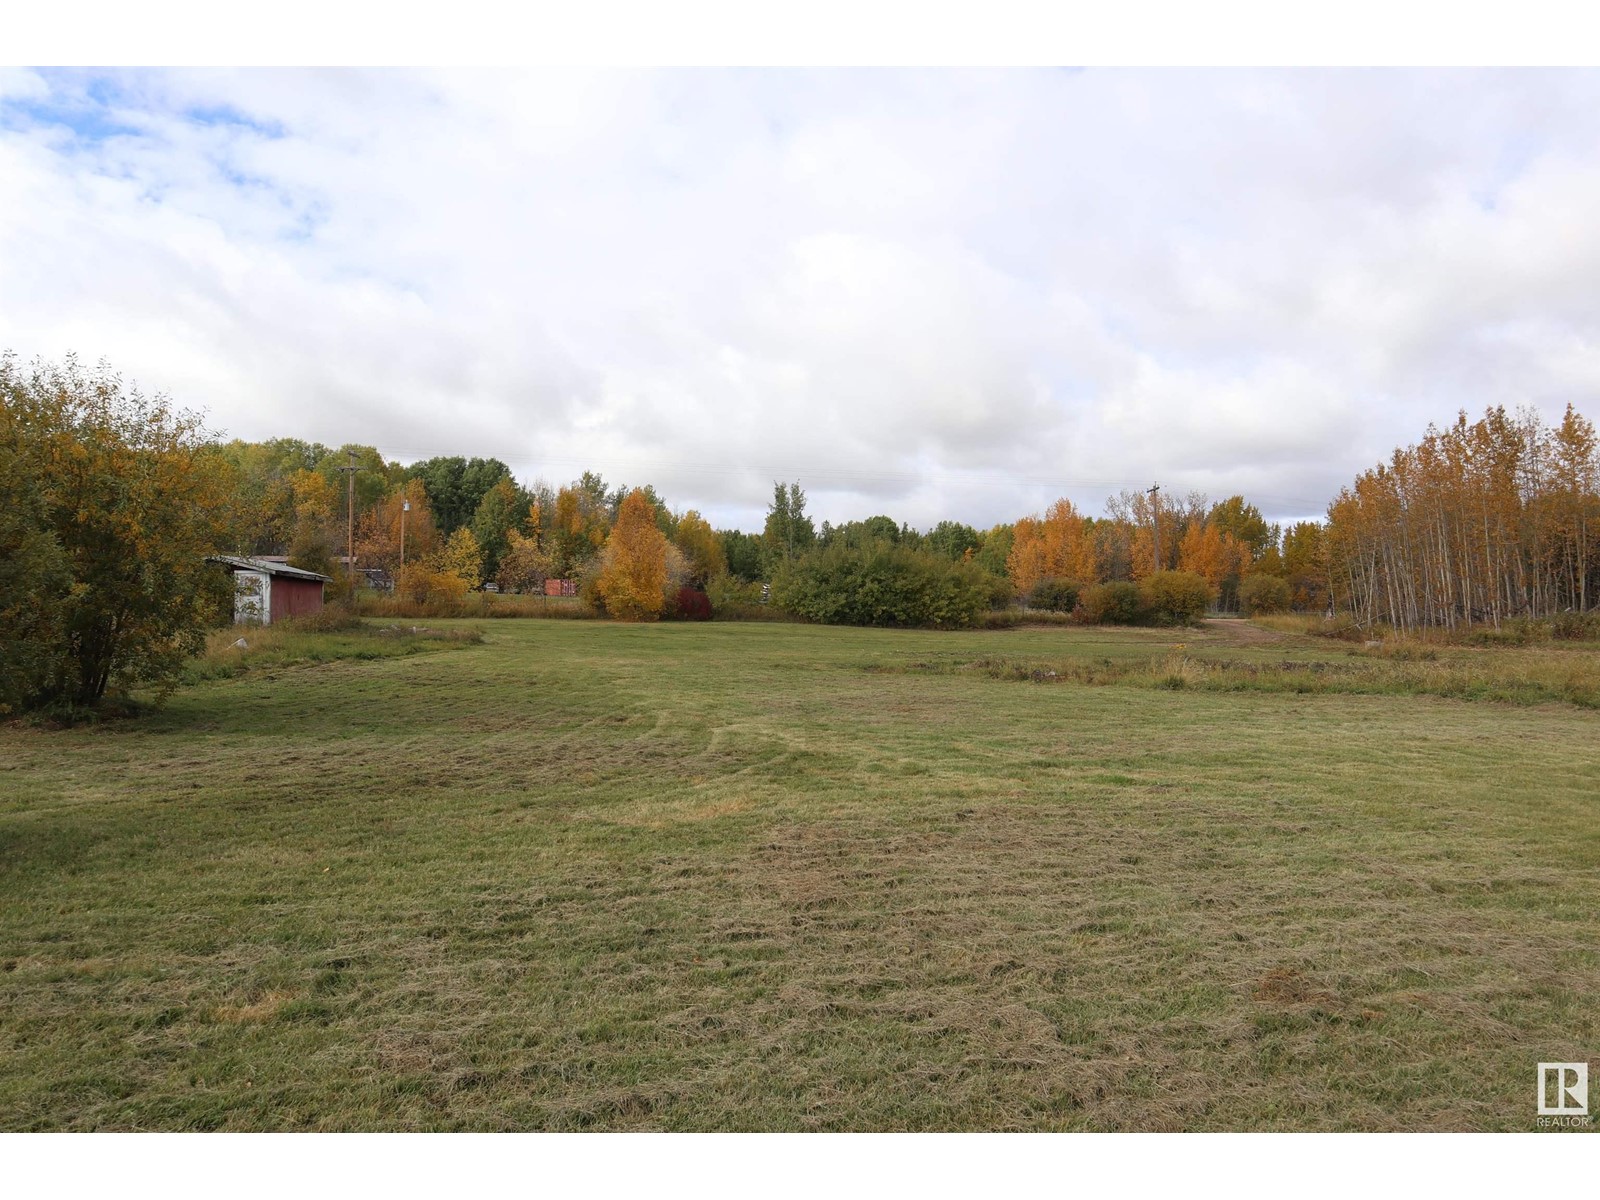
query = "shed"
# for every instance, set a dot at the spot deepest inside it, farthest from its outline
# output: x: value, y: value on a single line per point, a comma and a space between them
x: 264, y: 591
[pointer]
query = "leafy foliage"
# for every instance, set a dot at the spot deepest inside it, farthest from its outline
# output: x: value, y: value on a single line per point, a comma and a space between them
x: 1054, y: 595
x: 461, y: 557
x: 1244, y: 523
x: 1116, y: 603
x: 496, y: 516
x: 124, y: 497
x: 633, y: 570
x: 1058, y: 546
x: 1176, y: 597
x: 880, y: 583
x: 691, y: 604
x: 744, y: 554
x: 788, y: 530
x: 524, y: 566
x: 387, y: 530
x: 953, y: 540
x: 456, y: 486
x: 34, y: 577
x: 1264, y: 594
x: 701, y: 546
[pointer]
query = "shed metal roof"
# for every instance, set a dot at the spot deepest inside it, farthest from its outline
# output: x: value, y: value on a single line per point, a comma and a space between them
x: 236, y: 563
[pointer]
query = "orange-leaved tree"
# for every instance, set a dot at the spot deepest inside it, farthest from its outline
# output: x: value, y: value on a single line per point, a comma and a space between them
x: 1216, y: 555
x: 633, y: 567
x: 1061, y: 546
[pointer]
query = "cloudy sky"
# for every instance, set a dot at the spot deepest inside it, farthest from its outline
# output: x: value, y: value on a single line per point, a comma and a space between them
x: 932, y: 294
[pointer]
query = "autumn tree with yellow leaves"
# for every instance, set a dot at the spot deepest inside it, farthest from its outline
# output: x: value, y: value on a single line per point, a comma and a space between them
x: 633, y: 566
x: 701, y: 547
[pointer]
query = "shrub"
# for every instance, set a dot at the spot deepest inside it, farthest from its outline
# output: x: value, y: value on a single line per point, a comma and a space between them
x: 427, y: 585
x: 1264, y: 594
x: 1054, y: 595
x: 1176, y: 597
x: 879, y: 583
x: 1000, y: 590
x: 1112, y: 604
x: 691, y: 604
x: 112, y: 502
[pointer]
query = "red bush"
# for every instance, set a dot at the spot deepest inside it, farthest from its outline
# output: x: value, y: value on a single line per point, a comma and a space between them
x: 692, y: 605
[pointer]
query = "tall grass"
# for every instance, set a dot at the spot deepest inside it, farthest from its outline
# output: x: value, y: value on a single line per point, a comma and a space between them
x: 1518, y: 631
x: 476, y: 605
x: 323, y: 637
x: 1525, y: 679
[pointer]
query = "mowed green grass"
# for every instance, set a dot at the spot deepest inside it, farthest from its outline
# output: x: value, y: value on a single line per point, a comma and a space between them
x: 595, y: 876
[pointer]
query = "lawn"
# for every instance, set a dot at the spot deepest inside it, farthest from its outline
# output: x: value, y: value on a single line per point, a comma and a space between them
x: 584, y: 875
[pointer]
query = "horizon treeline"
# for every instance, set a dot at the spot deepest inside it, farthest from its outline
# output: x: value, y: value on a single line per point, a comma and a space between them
x: 470, y: 516
x: 1479, y: 522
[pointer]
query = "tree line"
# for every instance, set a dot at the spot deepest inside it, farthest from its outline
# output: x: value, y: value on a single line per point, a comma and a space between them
x: 110, y: 502
x: 1480, y: 522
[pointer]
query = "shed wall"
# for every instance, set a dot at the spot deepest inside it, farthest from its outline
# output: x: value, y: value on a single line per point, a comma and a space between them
x: 295, y: 597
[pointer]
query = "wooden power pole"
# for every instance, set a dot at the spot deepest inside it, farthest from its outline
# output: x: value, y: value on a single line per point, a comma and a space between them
x: 350, y: 518
x: 1155, y: 520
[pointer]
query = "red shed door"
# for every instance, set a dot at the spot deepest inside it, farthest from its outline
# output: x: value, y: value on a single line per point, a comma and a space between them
x: 295, y: 597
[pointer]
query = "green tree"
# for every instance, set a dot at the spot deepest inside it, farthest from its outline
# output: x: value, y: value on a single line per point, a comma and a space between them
x: 502, y: 508
x: 135, y: 497
x: 954, y: 540
x: 35, y: 578
x: 743, y: 553
x: 860, y: 533
x: 788, y: 530
x: 1245, y: 523
x: 456, y: 486
x: 372, y: 477
x: 993, y: 554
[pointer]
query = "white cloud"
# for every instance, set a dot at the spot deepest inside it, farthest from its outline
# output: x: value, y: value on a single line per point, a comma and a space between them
x: 931, y: 294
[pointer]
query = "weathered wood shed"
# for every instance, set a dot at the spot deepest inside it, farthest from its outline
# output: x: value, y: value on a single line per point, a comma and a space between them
x: 264, y: 592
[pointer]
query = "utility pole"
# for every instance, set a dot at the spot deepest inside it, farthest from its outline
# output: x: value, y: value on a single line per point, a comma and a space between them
x: 350, y: 517
x: 1155, y: 520
x: 405, y: 507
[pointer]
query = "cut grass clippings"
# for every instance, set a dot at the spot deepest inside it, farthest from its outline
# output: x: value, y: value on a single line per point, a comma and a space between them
x: 584, y: 875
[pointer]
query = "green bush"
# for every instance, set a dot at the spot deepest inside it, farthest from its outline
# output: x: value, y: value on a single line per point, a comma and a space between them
x: 1176, y: 597
x: 1264, y: 594
x: 879, y: 583
x: 1115, y: 603
x: 1054, y: 595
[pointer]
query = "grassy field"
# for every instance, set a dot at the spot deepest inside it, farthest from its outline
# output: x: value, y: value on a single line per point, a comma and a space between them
x: 583, y: 875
